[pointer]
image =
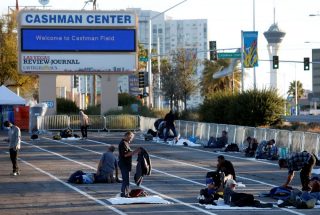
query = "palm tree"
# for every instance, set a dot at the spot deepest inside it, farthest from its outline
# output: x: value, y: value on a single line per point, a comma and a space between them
x: 210, y: 85
x: 292, y: 89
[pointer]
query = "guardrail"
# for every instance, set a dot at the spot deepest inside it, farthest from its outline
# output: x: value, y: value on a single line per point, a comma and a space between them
x: 294, y: 141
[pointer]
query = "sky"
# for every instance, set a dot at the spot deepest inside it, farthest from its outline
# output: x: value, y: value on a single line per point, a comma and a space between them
x: 226, y: 20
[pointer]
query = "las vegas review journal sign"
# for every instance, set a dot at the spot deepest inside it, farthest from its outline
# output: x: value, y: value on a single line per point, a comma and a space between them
x: 72, y: 42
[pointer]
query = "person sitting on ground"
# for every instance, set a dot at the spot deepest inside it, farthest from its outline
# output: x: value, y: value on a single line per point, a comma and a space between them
x: 107, y: 166
x: 303, y: 161
x: 226, y: 167
x: 213, y: 189
x: 261, y: 152
x: 250, y: 151
x: 272, y: 151
x: 233, y: 198
x: 219, y: 142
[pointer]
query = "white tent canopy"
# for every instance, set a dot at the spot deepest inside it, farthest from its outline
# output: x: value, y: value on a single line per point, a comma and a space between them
x: 7, y: 97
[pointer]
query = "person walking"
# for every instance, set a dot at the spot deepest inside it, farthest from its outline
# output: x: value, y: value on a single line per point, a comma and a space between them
x: 14, y: 139
x: 303, y: 161
x: 125, y: 161
x: 108, y: 164
x: 84, y: 124
x: 169, y: 119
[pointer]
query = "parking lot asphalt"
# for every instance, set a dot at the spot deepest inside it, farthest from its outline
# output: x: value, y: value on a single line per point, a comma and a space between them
x: 178, y: 174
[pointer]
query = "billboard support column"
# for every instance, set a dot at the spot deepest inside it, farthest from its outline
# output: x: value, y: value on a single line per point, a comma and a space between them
x: 109, y: 92
x: 47, y: 92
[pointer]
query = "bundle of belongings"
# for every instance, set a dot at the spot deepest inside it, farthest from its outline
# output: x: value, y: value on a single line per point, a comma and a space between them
x: 134, y: 193
x: 143, y: 166
x: 80, y: 177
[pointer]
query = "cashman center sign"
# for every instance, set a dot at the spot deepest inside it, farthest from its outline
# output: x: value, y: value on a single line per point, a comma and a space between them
x: 72, y: 42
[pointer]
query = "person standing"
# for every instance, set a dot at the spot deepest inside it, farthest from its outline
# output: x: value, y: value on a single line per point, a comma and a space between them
x: 125, y: 161
x: 108, y: 164
x: 169, y: 119
x: 303, y: 161
x: 14, y: 135
x: 84, y: 124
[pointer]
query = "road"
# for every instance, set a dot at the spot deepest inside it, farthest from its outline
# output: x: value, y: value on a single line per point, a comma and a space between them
x: 177, y: 176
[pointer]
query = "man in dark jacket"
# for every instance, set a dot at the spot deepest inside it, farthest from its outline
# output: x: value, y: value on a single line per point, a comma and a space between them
x: 169, y: 119
x: 226, y: 167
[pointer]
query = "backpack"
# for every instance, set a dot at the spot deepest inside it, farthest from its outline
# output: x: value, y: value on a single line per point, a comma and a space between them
x: 34, y: 137
x: 138, y: 193
x: 281, y: 193
x: 76, y: 177
x: 233, y: 147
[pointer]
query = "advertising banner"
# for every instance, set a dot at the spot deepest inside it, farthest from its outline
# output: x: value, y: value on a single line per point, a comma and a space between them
x: 59, y: 63
x: 250, y: 49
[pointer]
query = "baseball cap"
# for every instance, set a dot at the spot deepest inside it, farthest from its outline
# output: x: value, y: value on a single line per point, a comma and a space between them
x: 231, y: 182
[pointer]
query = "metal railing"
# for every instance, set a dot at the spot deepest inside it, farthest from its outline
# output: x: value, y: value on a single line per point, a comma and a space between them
x: 294, y: 141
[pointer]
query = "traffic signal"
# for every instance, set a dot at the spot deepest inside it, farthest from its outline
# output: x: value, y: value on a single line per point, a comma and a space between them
x: 306, y: 63
x: 75, y: 81
x: 213, y: 50
x: 275, y: 62
x: 141, y: 80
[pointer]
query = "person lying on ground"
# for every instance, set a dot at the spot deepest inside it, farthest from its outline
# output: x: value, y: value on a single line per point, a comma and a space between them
x: 233, y: 198
x: 305, y: 199
x: 301, y: 161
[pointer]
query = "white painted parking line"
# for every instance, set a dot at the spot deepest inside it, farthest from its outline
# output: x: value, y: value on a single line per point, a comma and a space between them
x: 73, y: 188
x: 146, y: 188
x: 207, y: 169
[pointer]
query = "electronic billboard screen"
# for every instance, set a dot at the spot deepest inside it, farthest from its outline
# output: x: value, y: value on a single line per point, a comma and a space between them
x: 78, y: 40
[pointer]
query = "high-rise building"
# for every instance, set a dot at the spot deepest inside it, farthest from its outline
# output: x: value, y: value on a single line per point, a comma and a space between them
x: 169, y: 35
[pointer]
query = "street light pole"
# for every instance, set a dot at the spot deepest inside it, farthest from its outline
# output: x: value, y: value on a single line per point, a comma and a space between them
x: 150, y: 49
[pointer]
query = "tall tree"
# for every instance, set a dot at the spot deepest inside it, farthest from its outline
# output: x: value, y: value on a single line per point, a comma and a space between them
x: 180, y: 73
x: 209, y: 85
x: 292, y: 89
x: 9, y: 75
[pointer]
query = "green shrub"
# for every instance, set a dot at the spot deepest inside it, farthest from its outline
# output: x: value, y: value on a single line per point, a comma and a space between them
x: 93, y: 110
x: 250, y: 108
x: 66, y: 106
x: 124, y: 99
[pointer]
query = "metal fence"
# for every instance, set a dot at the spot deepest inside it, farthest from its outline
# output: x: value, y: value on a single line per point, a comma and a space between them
x: 294, y: 141
x: 96, y: 122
